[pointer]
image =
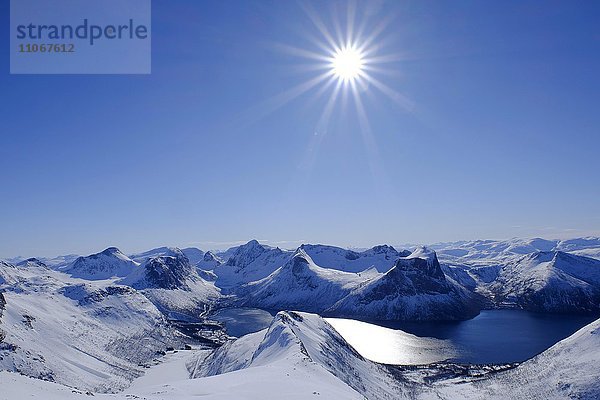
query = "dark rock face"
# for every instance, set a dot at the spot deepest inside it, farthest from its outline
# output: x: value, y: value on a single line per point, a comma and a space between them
x: 389, y: 251
x: 410, y: 277
x: 414, y: 289
x: 86, y: 295
x: 560, y: 300
x: 423, y: 275
x: 2, y: 306
x: 31, y: 262
x: 168, y: 272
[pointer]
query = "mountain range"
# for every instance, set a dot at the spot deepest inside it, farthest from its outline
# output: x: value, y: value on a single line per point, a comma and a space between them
x: 96, y: 323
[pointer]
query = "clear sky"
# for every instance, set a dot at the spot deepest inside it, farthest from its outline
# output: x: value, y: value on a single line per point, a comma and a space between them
x: 487, y: 126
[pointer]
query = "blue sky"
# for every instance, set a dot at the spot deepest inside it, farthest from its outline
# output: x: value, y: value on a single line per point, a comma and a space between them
x: 500, y: 140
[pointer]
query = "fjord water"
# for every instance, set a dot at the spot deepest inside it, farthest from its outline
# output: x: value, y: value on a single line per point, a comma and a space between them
x: 241, y: 321
x: 493, y: 337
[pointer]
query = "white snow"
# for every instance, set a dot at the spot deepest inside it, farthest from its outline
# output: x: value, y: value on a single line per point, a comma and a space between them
x: 94, y: 334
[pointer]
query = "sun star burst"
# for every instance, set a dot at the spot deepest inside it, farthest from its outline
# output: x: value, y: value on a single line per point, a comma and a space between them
x: 347, y: 64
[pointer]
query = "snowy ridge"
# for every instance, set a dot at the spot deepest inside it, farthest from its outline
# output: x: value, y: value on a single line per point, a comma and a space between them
x: 302, y: 341
x: 483, y: 252
x: 300, y: 284
x: 381, y: 258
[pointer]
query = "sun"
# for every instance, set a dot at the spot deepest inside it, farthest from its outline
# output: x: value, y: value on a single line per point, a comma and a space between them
x: 347, y: 64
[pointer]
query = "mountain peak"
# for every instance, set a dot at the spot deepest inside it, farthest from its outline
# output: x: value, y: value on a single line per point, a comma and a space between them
x: 383, y: 249
x: 163, y: 272
x: 300, y: 262
x: 108, y: 263
x: 32, y: 262
x: 210, y: 256
x: 246, y: 254
x: 111, y: 250
x: 422, y: 261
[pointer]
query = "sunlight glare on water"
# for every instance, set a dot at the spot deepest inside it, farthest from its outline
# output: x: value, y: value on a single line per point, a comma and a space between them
x: 391, y: 346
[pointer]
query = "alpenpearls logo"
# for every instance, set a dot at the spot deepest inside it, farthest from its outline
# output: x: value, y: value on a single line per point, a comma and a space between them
x: 80, y: 37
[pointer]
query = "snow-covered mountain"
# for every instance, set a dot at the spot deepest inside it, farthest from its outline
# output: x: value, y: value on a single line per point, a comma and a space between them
x: 254, y: 261
x: 87, y: 334
x: 249, y: 262
x: 172, y: 271
x: 209, y: 261
x: 300, y: 284
x: 52, y: 262
x: 107, y: 264
x: 300, y: 345
x: 174, y: 286
x: 586, y: 246
x: 485, y: 252
x: 550, y: 281
x: 416, y: 288
x: 304, y: 344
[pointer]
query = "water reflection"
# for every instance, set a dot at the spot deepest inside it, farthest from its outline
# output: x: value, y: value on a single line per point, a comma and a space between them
x: 391, y: 346
x: 494, y: 336
x: 241, y: 321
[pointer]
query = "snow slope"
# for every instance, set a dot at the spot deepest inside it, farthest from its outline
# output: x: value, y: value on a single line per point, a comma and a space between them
x: 32, y: 262
x: 551, y: 281
x: 567, y: 370
x: 87, y: 334
x: 193, y: 254
x: 300, y: 356
x: 300, y: 284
